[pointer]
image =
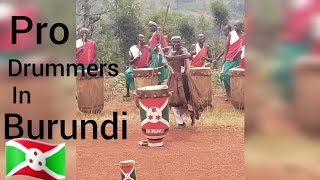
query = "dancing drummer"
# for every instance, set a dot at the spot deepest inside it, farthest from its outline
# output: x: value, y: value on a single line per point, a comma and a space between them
x: 226, y: 31
x: 201, y: 52
x: 85, y: 49
x: 233, y: 52
x: 158, y: 38
x: 139, y: 56
x: 178, y: 83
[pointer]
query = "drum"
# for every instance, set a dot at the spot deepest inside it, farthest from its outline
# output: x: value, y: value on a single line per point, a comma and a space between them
x: 202, y: 78
x: 306, y: 94
x: 143, y: 77
x: 237, y: 87
x: 128, y: 170
x: 154, y: 112
x: 90, y: 96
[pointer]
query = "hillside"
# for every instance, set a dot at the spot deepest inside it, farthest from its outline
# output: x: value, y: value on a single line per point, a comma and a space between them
x: 196, y: 8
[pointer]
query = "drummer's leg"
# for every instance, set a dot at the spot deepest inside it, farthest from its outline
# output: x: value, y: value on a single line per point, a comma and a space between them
x: 225, y: 76
x: 164, y: 82
x: 178, y: 116
x: 128, y: 79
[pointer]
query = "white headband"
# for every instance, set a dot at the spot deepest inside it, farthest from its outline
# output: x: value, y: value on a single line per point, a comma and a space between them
x: 176, y: 37
x: 153, y: 23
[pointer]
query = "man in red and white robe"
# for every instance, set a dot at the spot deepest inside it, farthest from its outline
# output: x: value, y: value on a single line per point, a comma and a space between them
x: 201, y: 52
x: 85, y: 49
x: 233, y: 51
x: 158, y: 40
x: 139, y: 56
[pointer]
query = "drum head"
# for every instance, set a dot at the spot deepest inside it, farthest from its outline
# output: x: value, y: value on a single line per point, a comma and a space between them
x: 234, y: 72
x: 200, y: 71
x: 127, y: 163
x: 145, y: 69
x: 153, y: 88
x: 204, y: 68
x: 145, y: 72
x: 237, y: 69
x: 156, y: 91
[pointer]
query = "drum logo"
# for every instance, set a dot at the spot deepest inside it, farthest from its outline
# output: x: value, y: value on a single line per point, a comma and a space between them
x: 128, y: 172
x: 154, y: 120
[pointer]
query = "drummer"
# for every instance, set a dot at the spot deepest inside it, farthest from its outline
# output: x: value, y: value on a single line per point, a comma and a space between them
x: 232, y: 55
x: 85, y: 49
x: 201, y: 52
x: 139, y: 56
x: 178, y: 58
x: 157, y: 39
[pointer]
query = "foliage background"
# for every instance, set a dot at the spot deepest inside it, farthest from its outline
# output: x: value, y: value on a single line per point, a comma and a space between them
x: 115, y: 23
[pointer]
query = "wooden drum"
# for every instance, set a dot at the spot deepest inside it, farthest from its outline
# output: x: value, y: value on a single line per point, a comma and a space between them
x: 142, y: 77
x: 237, y: 87
x: 154, y: 112
x: 90, y: 94
x: 128, y: 170
x: 306, y: 101
x: 202, y: 78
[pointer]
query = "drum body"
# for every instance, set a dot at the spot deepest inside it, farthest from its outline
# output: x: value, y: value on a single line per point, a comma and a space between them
x: 237, y: 76
x: 90, y: 94
x: 154, y: 112
x: 143, y: 77
x: 128, y: 170
x: 306, y: 101
x: 202, y: 78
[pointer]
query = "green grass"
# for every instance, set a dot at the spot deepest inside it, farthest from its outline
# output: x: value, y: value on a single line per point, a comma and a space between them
x: 215, y: 117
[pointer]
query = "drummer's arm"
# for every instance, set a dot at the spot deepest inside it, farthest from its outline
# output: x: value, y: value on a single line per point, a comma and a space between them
x: 185, y: 55
x: 130, y: 58
x: 166, y: 49
x: 209, y: 54
x: 219, y: 57
x: 193, y: 50
x: 226, y: 49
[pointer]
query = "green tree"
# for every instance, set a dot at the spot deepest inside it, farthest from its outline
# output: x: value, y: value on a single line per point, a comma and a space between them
x: 178, y: 24
x: 204, y: 25
x: 220, y: 12
x: 118, y: 29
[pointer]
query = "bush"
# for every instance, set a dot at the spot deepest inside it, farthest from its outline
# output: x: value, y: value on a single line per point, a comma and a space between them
x: 177, y: 24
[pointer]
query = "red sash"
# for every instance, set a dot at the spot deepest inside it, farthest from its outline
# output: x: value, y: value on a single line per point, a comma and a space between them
x: 197, y: 60
x: 236, y: 43
x: 144, y: 58
x: 153, y: 41
x: 87, y: 56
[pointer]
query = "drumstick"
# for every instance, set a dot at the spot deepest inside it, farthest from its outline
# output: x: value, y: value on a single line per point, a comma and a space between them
x: 88, y: 56
x: 154, y: 66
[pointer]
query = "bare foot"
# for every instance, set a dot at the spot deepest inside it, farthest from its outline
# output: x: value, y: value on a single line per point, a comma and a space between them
x: 193, y: 121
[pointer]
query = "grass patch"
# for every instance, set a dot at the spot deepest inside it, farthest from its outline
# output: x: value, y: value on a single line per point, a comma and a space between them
x: 115, y: 89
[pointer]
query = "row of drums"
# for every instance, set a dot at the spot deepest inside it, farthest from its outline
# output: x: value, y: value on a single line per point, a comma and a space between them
x: 152, y: 99
x: 90, y: 89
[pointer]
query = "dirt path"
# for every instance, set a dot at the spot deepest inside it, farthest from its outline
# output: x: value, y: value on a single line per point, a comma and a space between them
x: 187, y: 154
x: 192, y: 153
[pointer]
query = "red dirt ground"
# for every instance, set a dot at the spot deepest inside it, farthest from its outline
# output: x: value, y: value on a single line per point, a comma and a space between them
x: 192, y: 153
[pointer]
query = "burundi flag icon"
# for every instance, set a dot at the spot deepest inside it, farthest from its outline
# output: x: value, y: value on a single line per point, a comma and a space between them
x: 35, y: 159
